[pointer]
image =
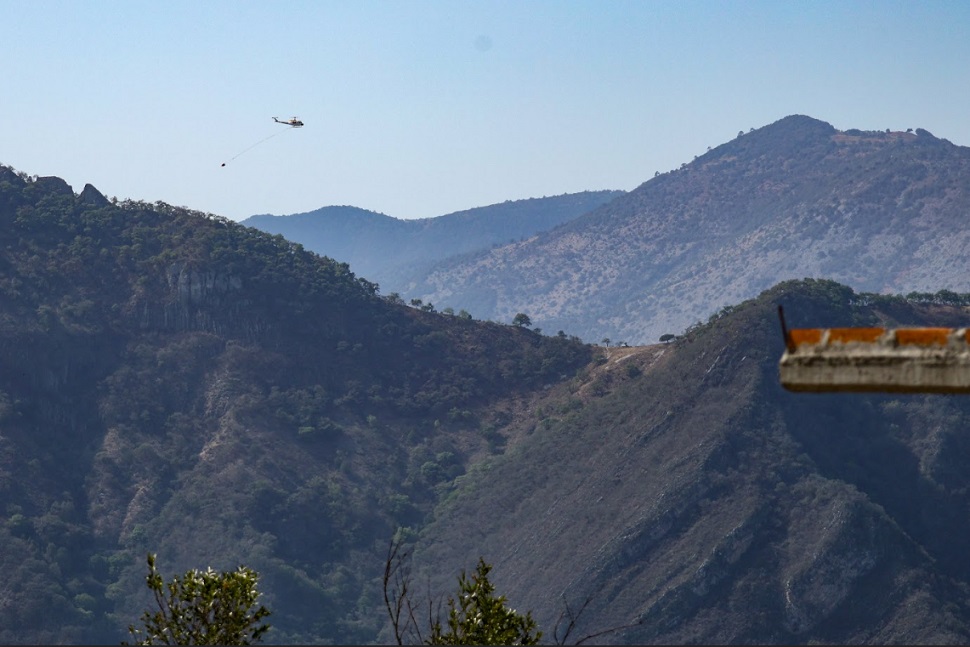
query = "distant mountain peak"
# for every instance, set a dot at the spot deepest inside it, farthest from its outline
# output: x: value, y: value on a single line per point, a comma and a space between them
x: 883, y: 211
x: 802, y: 121
x: 793, y: 128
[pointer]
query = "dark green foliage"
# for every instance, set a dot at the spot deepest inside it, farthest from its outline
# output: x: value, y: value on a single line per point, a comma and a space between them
x: 175, y: 380
x: 203, y: 608
x: 477, y: 616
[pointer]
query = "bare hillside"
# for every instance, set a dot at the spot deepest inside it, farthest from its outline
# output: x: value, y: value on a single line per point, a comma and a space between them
x: 880, y: 211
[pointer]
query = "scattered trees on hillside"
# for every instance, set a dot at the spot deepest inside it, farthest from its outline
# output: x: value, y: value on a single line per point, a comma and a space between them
x: 203, y: 608
x: 942, y: 297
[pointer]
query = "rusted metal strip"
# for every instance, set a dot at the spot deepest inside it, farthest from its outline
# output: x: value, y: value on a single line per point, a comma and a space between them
x: 915, y: 360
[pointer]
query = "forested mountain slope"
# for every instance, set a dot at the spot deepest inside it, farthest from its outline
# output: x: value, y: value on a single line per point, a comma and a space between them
x: 395, y: 253
x: 177, y: 383
x: 879, y: 211
x: 685, y: 492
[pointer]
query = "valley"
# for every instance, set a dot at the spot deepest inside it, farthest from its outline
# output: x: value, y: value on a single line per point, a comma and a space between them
x: 177, y: 383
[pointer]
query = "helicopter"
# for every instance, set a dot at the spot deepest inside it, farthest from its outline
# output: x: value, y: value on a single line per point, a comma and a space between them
x: 293, y: 122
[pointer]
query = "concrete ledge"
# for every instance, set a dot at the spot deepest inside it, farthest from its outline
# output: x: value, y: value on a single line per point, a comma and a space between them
x: 908, y: 360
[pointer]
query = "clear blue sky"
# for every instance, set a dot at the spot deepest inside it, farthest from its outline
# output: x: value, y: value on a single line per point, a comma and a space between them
x: 418, y: 109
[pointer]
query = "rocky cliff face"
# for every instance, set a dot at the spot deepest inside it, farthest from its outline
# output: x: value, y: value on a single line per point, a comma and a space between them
x: 91, y: 197
x: 201, y: 299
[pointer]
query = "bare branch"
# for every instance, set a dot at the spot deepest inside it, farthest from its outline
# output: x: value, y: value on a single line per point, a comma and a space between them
x: 397, y: 582
x: 606, y: 631
x: 573, y: 618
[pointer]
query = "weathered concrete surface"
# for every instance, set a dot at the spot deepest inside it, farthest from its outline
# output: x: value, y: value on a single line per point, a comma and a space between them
x: 915, y: 360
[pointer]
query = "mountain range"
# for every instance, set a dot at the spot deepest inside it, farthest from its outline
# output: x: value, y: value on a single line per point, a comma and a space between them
x: 396, y: 254
x: 176, y: 383
x: 880, y: 211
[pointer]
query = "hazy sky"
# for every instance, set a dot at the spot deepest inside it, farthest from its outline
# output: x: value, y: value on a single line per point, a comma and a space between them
x: 419, y: 109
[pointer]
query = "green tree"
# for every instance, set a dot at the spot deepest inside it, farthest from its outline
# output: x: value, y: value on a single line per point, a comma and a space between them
x: 479, y: 617
x: 521, y: 319
x: 203, y: 608
x: 667, y: 337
